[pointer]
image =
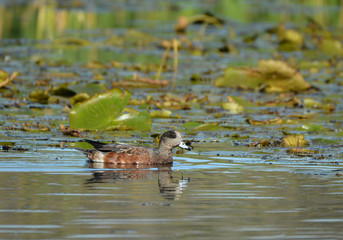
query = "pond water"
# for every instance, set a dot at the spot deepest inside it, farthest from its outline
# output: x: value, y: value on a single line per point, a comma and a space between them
x: 45, y: 198
x: 230, y: 186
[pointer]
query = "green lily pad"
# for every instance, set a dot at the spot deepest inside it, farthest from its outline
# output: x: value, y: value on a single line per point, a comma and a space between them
x: 90, y: 88
x: 323, y: 141
x: 209, y: 127
x: 312, y: 127
x: 100, y: 111
x: 132, y: 121
x: 161, y: 114
x: 191, y: 125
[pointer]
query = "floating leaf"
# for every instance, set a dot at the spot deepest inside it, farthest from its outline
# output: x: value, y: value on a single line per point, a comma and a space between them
x: 209, y: 127
x: 98, y: 112
x: 232, y: 106
x: 289, y: 39
x: 34, y: 127
x: 269, y: 76
x: 264, y: 122
x: 5, y: 78
x: 191, y: 125
x: 195, y: 126
x: 132, y: 121
x: 263, y: 143
x: 90, y: 88
x: 310, y: 103
x: 330, y: 46
x: 323, y: 141
x: 295, y: 140
x: 301, y: 151
x: 70, y: 132
x: 3, y: 75
x: 141, y: 82
x: 39, y: 96
x: 312, y: 127
x: 239, y: 77
x: 160, y: 114
x: 80, y: 97
x: 279, y: 77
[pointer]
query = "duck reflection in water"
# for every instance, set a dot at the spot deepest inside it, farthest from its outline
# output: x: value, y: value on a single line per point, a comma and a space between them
x: 169, y: 188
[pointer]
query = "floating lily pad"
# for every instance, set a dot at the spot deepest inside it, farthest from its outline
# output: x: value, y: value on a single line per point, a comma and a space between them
x: 161, y: 114
x: 269, y: 76
x: 323, y: 141
x: 132, y: 121
x: 39, y: 96
x: 209, y: 127
x: 312, y: 127
x: 90, y: 88
x: 102, y: 112
x: 191, y: 125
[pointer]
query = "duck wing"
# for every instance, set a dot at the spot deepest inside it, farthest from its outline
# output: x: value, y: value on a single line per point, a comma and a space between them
x: 103, y: 147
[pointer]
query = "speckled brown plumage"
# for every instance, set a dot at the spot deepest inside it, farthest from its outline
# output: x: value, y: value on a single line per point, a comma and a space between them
x: 136, y: 155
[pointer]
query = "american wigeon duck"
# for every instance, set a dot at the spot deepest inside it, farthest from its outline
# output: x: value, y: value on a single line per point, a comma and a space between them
x: 134, y: 155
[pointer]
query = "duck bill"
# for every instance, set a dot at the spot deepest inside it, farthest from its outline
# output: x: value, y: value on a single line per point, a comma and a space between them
x: 184, y: 146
